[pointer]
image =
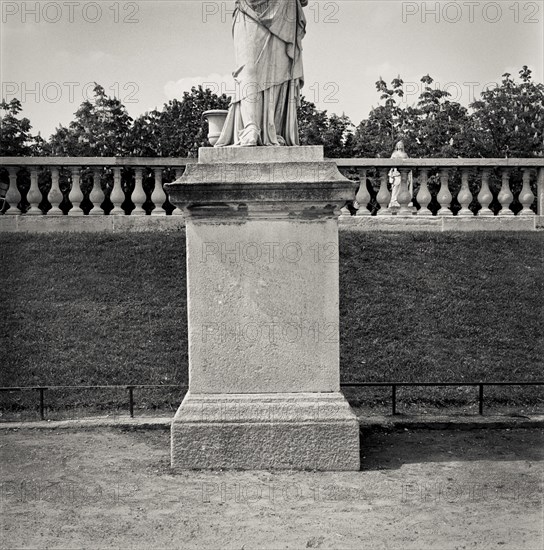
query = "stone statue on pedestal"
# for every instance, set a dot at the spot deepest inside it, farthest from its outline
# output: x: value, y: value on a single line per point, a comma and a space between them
x: 395, y: 179
x: 269, y: 74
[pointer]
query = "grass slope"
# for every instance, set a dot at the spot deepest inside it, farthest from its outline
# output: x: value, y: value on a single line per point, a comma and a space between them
x: 111, y: 309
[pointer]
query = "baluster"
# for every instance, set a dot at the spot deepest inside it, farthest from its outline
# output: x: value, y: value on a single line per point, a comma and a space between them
x: 505, y: 196
x: 444, y: 196
x: 485, y: 197
x: 423, y: 195
x: 158, y: 196
x: 465, y: 196
x: 117, y: 197
x: 34, y: 196
x: 540, y: 192
x: 384, y: 195
x: 13, y: 196
x: 55, y: 195
x: 404, y: 196
x: 179, y: 174
x: 97, y: 195
x: 363, y: 196
x: 76, y: 196
x: 138, y: 196
x: 526, y: 196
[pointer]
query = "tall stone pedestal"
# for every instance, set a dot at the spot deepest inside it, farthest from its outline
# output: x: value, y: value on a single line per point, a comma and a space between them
x: 262, y: 278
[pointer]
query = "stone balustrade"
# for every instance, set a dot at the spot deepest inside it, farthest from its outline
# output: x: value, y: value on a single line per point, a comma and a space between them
x: 115, y: 186
x: 125, y: 193
x: 448, y: 174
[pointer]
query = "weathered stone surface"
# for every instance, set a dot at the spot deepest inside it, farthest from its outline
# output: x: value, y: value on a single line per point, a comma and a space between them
x: 53, y: 224
x: 495, y: 223
x: 262, y: 278
x: 138, y: 224
x: 391, y: 223
x: 302, y: 431
x: 263, y: 305
x: 8, y: 224
x: 260, y: 155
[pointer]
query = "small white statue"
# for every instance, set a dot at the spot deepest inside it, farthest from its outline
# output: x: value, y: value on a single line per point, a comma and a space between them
x: 395, y: 177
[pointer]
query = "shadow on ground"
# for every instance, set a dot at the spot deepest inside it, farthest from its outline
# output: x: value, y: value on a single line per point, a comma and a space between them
x: 391, y: 450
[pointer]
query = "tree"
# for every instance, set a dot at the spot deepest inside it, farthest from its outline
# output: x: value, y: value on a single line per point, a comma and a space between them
x: 100, y: 129
x: 317, y: 128
x: 434, y: 127
x: 509, y: 120
x: 439, y: 127
x: 15, y: 137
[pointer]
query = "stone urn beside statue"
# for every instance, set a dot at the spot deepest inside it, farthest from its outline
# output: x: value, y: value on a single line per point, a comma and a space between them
x: 216, y: 120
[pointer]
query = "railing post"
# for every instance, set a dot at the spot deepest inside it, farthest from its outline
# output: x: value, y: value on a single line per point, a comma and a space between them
x: 138, y: 196
x: 363, y: 196
x: 485, y: 197
x: 481, y: 399
x: 424, y: 196
x: 465, y: 196
x: 117, y: 197
x: 131, y: 400
x: 384, y: 196
x: 444, y: 196
x: 97, y: 195
x: 394, y: 398
x: 42, y: 402
x: 13, y: 196
x: 526, y: 196
x: 55, y: 196
x: 505, y: 196
x: 158, y: 196
x: 34, y: 196
x: 76, y: 195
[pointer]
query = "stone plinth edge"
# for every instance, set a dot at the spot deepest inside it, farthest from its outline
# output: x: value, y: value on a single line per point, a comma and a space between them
x: 127, y: 224
x: 289, y: 431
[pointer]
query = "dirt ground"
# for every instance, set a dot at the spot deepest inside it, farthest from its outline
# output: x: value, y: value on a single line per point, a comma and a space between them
x: 416, y: 490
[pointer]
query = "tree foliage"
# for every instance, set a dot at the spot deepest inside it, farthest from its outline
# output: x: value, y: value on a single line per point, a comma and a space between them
x: 333, y: 132
x: 15, y: 137
x: 507, y: 121
x: 101, y: 129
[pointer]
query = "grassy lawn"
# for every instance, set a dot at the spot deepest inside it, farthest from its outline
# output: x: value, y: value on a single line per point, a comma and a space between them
x: 104, y: 309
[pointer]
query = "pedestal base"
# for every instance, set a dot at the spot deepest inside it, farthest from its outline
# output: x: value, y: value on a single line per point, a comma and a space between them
x: 283, y: 431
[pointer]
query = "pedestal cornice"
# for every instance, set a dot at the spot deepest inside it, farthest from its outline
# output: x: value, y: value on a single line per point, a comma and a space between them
x: 262, y: 181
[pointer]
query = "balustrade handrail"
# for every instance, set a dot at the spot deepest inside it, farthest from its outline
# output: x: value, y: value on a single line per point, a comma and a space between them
x: 171, y: 162
x: 440, y: 162
x: 128, y: 162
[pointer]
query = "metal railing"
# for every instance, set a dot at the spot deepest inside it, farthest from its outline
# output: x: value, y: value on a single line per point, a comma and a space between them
x: 393, y: 385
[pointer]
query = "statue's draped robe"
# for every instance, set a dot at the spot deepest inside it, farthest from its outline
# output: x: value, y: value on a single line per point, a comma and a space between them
x: 268, y: 46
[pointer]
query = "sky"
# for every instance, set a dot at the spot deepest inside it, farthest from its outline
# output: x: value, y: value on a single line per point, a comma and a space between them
x: 148, y: 52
